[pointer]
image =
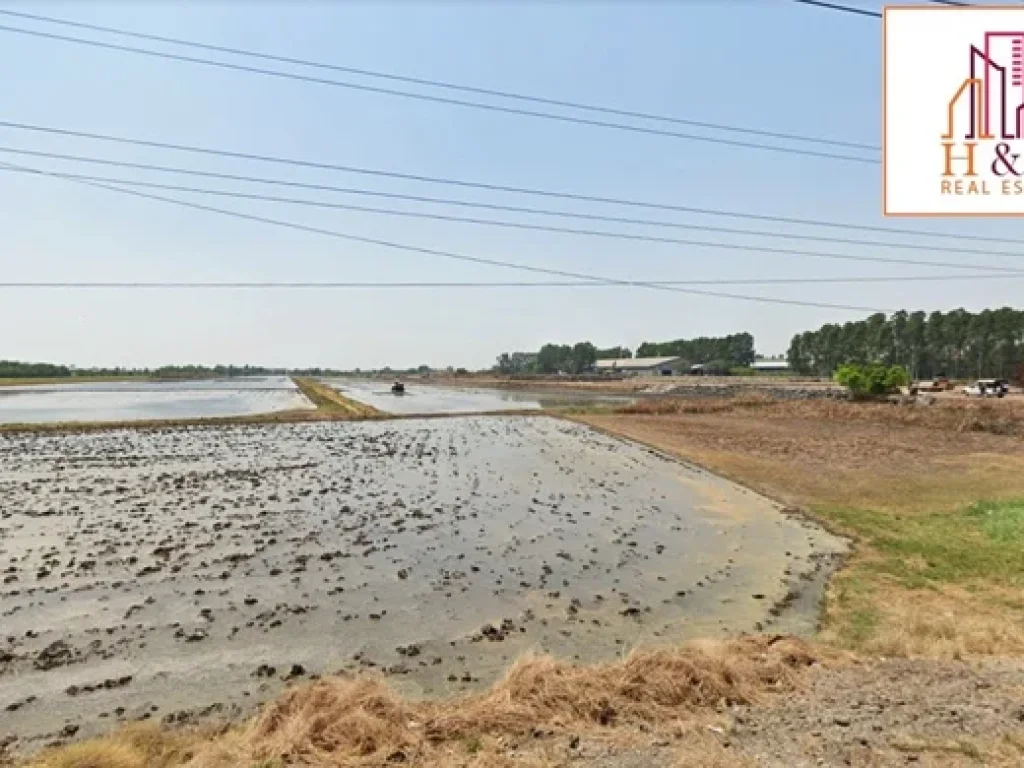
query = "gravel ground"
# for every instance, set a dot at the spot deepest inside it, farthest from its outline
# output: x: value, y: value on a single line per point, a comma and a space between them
x: 880, y: 714
x: 889, y: 713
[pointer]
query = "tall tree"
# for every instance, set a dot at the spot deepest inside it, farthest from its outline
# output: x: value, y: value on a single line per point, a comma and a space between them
x: 582, y: 356
x: 614, y: 353
x: 958, y: 343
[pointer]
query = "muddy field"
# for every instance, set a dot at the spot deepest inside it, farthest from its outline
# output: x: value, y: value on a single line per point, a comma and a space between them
x: 174, y: 574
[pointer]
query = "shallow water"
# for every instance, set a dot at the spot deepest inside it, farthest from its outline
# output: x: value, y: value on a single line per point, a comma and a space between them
x: 184, y: 572
x: 140, y: 400
x: 423, y: 399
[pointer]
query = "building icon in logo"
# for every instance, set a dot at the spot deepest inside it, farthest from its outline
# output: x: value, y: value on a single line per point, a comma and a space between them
x: 994, y: 89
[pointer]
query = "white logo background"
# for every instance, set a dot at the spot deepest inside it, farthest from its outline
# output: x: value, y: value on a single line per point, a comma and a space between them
x: 927, y: 58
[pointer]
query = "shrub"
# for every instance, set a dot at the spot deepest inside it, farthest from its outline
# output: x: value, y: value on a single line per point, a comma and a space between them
x: 871, y: 379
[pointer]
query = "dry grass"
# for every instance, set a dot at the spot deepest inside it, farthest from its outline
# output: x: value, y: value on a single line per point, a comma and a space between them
x: 362, y: 722
x: 139, y: 745
x: 1004, y: 417
x: 880, y: 617
x: 677, y: 405
x: 702, y: 748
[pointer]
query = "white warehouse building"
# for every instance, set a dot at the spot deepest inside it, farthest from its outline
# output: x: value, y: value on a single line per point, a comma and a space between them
x: 771, y: 364
x: 649, y: 366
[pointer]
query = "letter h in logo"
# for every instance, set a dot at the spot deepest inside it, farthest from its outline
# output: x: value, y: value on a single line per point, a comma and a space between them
x: 977, y: 100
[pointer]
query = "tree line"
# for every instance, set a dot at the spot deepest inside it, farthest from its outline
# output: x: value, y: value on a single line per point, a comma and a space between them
x: 558, y: 358
x: 987, y: 344
x: 734, y: 351
x: 725, y: 352
x: 13, y: 369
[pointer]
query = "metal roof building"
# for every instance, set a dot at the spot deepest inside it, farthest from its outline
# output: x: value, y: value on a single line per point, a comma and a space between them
x: 771, y: 364
x: 663, y: 365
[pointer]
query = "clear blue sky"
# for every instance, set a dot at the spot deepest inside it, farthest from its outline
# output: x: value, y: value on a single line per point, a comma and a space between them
x: 771, y: 64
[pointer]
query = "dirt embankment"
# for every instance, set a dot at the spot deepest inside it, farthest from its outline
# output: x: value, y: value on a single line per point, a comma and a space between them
x: 329, y: 400
x: 633, y: 384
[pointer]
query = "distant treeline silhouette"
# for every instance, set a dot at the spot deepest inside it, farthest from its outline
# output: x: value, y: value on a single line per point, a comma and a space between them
x: 12, y: 369
x: 723, y: 352
x: 956, y: 344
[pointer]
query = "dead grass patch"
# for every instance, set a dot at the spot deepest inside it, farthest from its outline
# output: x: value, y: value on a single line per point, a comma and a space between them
x: 1005, y: 417
x: 362, y: 722
x: 365, y: 723
x: 671, y: 405
x: 139, y: 745
x: 880, y: 617
x: 701, y: 747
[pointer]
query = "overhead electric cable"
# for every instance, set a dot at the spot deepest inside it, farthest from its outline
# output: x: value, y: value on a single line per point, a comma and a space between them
x: 130, y: 284
x: 840, y: 7
x: 553, y: 194
x: 440, y: 83
x: 568, y: 230
x: 442, y: 99
x: 443, y: 253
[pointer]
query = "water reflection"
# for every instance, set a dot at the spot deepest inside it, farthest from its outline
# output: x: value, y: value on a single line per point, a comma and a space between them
x: 141, y: 400
x: 426, y: 398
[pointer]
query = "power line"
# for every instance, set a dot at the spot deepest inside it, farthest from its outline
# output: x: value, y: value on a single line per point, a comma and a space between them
x: 469, y: 204
x: 442, y: 84
x: 407, y: 197
x: 503, y: 284
x: 575, y: 231
x: 554, y: 194
x: 439, y: 99
x: 840, y: 7
x: 875, y: 14
x: 444, y: 254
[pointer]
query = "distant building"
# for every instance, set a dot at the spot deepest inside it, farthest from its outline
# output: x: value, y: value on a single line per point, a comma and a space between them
x: 650, y: 366
x: 769, y: 364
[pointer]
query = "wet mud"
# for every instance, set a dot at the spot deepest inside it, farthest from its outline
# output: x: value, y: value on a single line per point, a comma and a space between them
x: 178, y: 574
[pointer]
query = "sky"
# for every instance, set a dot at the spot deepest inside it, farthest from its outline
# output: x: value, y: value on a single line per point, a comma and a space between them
x: 772, y: 65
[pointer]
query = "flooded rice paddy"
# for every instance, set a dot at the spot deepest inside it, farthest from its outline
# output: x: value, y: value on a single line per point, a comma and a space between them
x: 423, y: 399
x: 179, y: 573
x: 140, y: 400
